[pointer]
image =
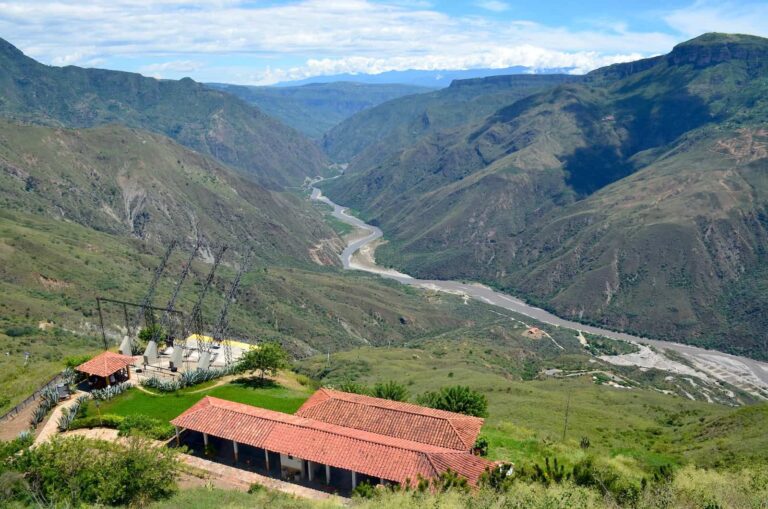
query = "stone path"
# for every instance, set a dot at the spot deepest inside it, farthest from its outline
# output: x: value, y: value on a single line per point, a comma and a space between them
x: 242, y: 479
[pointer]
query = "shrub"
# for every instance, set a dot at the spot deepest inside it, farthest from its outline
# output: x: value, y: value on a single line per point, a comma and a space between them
x: 481, y: 446
x: 354, y: 387
x: 74, y: 361
x: 458, y: 398
x: 18, y: 331
x: 95, y: 421
x: 364, y: 490
x: 146, y: 426
x: 75, y: 471
x: 390, y: 390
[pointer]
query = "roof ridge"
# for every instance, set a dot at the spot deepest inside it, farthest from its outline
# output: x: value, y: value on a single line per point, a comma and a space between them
x: 461, y: 438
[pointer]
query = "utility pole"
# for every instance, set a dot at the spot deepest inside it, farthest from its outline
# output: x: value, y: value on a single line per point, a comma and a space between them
x: 567, y: 410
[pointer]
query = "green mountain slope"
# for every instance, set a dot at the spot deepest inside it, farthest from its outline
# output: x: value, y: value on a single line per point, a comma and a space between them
x: 315, y: 108
x: 374, y: 134
x: 636, y: 199
x: 196, y: 116
x: 87, y: 212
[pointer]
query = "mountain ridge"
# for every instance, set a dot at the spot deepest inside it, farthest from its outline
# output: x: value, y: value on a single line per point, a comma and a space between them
x: 200, y: 118
x: 507, y: 201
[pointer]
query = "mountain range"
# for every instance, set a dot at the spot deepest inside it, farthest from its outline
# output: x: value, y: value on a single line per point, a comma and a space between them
x: 315, y: 108
x: 438, y: 78
x: 634, y: 198
x: 206, y: 120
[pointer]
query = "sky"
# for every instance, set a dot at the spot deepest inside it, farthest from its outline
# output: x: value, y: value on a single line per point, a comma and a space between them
x: 264, y: 42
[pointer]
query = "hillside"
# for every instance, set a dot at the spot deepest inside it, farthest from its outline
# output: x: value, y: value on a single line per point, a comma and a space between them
x: 87, y: 212
x: 315, y: 108
x: 635, y: 199
x: 206, y: 120
x: 372, y: 135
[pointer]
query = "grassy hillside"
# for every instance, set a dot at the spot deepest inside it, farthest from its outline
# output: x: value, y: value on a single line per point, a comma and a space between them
x: 645, y: 212
x: 372, y: 135
x: 88, y: 212
x: 315, y: 108
x: 206, y: 120
x: 638, y: 426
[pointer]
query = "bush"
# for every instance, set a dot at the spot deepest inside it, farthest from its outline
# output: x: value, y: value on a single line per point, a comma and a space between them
x: 390, y: 390
x: 75, y: 471
x: 94, y: 421
x: 146, y: 426
x: 364, y: 490
x: 458, y: 398
x: 74, y: 361
x: 354, y: 387
x: 16, y: 332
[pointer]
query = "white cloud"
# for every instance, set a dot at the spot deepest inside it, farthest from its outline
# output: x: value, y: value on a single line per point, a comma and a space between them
x: 201, y: 38
x: 722, y: 16
x: 493, y: 5
x: 158, y: 70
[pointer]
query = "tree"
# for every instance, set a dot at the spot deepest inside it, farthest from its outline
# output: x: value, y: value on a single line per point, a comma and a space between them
x: 354, y: 387
x: 390, y: 390
x: 266, y: 359
x: 458, y: 398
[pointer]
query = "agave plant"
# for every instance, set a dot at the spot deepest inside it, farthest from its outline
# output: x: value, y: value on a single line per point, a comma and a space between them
x: 38, y: 415
x: 51, y: 396
x: 111, y: 391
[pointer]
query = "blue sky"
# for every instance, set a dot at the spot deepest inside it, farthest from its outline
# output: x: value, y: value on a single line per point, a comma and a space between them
x: 263, y: 42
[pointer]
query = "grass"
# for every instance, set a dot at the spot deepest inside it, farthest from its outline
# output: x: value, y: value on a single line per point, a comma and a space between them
x: 526, y: 418
x: 168, y: 406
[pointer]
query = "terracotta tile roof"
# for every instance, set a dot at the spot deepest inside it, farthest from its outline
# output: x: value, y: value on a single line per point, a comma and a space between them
x: 391, y: 458
x: 393, y: 418
x: 105, y: 364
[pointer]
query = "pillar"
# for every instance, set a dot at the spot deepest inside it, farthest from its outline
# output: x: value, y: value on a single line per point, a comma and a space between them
x: 234, y: 450
x: 303, y: 470
x: 266, y: 459
x: 354, y: 479
x: 381, y: 481
x: 178, y: 438
x: 327, y: 474
x: 205, y: 439
x: 310, y: 469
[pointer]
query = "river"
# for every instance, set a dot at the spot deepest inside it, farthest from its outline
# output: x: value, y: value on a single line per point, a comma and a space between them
x: 747, y: 374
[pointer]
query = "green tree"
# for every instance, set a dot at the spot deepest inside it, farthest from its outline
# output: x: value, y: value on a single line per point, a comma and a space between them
x: 390, y: 390
x: 457, y: 398
x: 354, y: 387
x: 266, y: 359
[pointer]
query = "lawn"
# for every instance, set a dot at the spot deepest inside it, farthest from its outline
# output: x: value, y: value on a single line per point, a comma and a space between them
x: 168, y: 406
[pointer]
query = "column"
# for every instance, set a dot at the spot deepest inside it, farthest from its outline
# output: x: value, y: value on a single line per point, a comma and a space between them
x: 234, y: 450
x: 266, y: 459
x: 310, y: 470
x: 354, y: 479
x: 178, y: 438
x: 381, y: 481
x: 205, y: 439
x: 327, y: 474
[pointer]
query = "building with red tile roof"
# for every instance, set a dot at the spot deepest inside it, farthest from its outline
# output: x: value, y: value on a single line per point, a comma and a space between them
x: 107, y: 364
x: 393, y: 418
x: 311, y: 444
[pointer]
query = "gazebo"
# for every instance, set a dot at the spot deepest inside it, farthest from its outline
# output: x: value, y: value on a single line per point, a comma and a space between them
x: 107, y: 368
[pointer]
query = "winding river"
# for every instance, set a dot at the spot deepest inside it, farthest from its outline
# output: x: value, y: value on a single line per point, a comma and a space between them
x: 747, y: 374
